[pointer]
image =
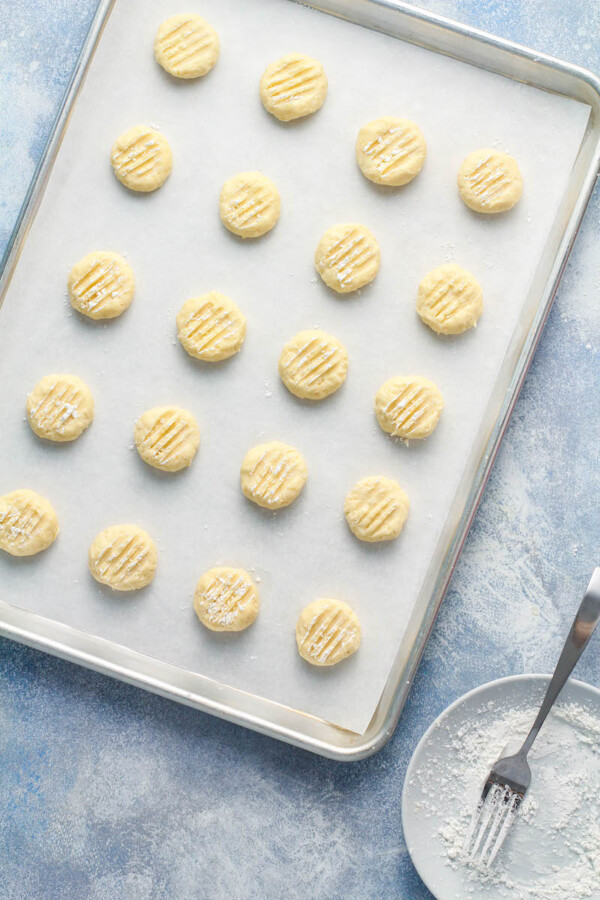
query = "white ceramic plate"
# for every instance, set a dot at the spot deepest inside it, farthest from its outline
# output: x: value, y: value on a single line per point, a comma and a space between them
x: 544, y: 854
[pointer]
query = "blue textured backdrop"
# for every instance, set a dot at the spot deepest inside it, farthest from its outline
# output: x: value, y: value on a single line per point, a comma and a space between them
x: 112, y: 794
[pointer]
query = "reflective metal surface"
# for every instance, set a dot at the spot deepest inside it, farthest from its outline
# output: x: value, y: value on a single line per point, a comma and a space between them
x: 440, y: 35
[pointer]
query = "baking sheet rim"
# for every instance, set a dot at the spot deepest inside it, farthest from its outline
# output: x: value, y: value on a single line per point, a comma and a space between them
x: 69, y: 643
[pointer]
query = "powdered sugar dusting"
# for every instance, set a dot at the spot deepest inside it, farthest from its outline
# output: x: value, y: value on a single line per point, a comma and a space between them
x: 553, y: 849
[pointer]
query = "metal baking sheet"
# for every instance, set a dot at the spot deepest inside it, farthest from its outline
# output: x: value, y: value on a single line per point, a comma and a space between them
x: 177, y: 248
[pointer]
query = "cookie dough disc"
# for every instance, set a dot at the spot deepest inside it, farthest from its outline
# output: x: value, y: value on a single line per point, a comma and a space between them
x: 273, y: 474
x: 226, y: 599
x: 211, y: 327
x: 167, y: 437
x: 450, y: 299
x: 390, y: 150
x: 186, y: 46
x: 490, y: 181
x: 123, y: 557
x: 101, y: 285
x: 142, y: 159
x: 60, y: 407
x: 28, y: 523
x: 293, y: 86
x: 376, y: 509
x: 249, y: 204
x: 313, y: 365
x: 327, y: 632
x: 347, y: 257
x: 409, y: 406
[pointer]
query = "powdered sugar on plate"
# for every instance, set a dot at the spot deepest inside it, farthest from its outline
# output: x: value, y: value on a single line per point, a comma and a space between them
x: 553, y: 850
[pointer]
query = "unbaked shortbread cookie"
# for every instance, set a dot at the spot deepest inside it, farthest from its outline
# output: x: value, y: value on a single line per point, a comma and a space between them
x: 489, y: 181
x: 186, y: 46
x: 211, y: 327
x: 167, y: 437
x: 450, y: 299
x: 226, y: 599
x: 249, y: 204
x: 142, y: 159
x: 60, y: 407
x: 390, y: 150
x: 347, y: 257
x: 28, y: 523
x: 409, y: 406
x: 376, y: 509
x: 101, y: 285
x: 123, y: 557
x: 327, y: 632
x: 293, y: 86
x: 273, y: 474
x: 313, y: 365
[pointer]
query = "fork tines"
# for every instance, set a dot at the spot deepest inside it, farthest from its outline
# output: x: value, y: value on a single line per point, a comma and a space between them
x: 490, y: 824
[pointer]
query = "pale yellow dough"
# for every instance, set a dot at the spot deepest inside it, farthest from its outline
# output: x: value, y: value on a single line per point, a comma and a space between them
x: 293, y: 86
x: 327, y: 632
x: 60, y: 407
x: 490, y: 181
x: 226, y: 599
x: 450, y: 299
x: 28, y: 523
x: 313, y: 365
x: 123, y: 557
x: 186, y: 46
x: 347, y: 257
x: 376, y: 509
x: 249, y: 204
x: 273, y: 474
x: 167, y: 437
x: 211, y: 327
x: 409, y: 406
x: 390, y: 150
x: 142, y: 159
x: 101, y: 285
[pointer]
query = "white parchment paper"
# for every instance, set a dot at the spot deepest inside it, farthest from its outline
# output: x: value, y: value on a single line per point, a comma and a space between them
x: 177, y: 247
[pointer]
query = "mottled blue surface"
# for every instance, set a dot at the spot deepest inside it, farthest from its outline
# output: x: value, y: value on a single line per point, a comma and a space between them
x: 109, y: 793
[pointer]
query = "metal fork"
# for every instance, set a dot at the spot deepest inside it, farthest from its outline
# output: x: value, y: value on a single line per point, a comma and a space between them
x: 510, y: 777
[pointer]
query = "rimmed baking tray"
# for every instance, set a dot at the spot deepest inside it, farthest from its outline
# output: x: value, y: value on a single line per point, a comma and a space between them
x: 434, y: 33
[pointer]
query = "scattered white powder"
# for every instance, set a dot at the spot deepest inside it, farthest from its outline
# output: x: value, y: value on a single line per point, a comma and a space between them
x: 553, y: 849
x: 449, y: 248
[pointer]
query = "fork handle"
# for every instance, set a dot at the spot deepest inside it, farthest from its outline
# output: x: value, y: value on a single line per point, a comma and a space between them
x: 581, y: 631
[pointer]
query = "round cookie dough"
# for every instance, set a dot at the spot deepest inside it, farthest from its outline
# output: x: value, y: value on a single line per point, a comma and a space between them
x: 142, y: 159
x: 313, y: 365
x: 390, y: 150
x: 450, y: 299
x: 226, y: 599
x: 167, y: 438
x: 249, y: 204
x: 186, y: 46
x: 273, y: 474
x: 347, y: 257
x: 28, y: 523
x: 101, y: 285
x: 60, y: 407
x: 409, y: 406
x: 489, y: 181
x: 211, y: 327
x: 327, y: 631
x: 123, y: 557
x: 376, y: 509
x: 293, y: 86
